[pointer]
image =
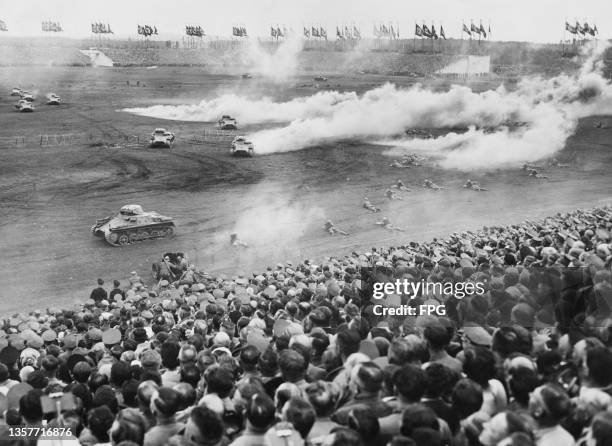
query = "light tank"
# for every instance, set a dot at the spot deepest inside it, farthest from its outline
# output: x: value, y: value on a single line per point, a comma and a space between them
x: 162, y: 138
x: 27, y: 96
x: 53, y: 99
x: 24, y: 106
x: 242, y: 147
x: 132, y: 225
x: 227, y: 123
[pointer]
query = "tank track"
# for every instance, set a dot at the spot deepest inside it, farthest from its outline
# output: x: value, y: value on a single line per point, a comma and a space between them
x: 125, y: 237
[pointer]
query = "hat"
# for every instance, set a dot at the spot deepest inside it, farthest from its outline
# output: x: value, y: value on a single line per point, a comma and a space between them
x: 478, y: 336
x: 95, y: 334
x: 49, y: 336
x: 258, y: 340
x: 150, y: 358
x: 111, y: 336
x: 280, y: 326
x: 73, y: 360
x: 15, y: 393
x: 70, y: 341
x: 369, y: 348
x: 140, y: 335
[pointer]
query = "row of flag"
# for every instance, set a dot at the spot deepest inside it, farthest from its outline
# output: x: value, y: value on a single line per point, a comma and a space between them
x: 383, y: 31
x: 101, y: 28
x: 473, y: 30
x: 276, y: 32
x: 147, y: 30
x: 315, y: 31
x: 581, y: 29
x: 348, y: 33
x: 49, y: 26
x: 239, y: 31
x: 429, y: 33
x: 195, y: 31
x: 3, y: 26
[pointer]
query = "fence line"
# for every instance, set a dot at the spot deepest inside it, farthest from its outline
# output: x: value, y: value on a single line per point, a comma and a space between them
x: 212, y: 135
x: 118, y: 141
x: 12, y: 141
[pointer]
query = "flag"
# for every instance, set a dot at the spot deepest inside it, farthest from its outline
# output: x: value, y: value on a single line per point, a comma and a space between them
x: 466, y: 30
x: 595, y: 30
x: 93, y: 28
x: 323, y: 33
x: 3, y: 26
x: 418, y: 31
x: 474, y: 29
x: 385, y: 31
x: 427, y: 32
x: 109, y: 29
x: 339, y: 34
x: 306, y: 33
x: 347, y: 32
x: 570, y: 28
x: 579, y: 28
x: 442, y: 33
x: 434, y: 35
x: 356, y: 32
x: 273, y: 32
x: 482, y: 31
x: 279, y: 33
x: 155, y: 32
x: 314, y: 32
x: 392, y: 32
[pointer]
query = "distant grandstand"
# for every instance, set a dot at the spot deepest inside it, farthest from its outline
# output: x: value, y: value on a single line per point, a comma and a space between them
x: 402, y: 57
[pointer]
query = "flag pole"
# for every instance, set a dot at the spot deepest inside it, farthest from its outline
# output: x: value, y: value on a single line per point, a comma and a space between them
x: 422, y: 39
x: 564, y: 37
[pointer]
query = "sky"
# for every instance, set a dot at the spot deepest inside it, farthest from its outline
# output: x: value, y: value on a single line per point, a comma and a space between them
x: 510, y: 20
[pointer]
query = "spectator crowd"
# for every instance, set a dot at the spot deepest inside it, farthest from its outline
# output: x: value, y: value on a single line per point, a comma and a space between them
x: 295, y: 354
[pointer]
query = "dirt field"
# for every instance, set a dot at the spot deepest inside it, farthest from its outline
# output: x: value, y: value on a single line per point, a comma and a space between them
x: 50, y: 195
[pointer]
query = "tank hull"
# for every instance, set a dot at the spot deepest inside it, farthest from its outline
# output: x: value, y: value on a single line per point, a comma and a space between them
x: 135, y: 234
x: 160, y: 145
x: 242, y: 152
x: 117, y: 231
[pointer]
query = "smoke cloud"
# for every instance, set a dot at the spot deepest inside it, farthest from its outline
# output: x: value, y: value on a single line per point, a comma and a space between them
x: 550, y: 108
x: 273, y: 222
x: 278, y: 66
x: 248, y: 111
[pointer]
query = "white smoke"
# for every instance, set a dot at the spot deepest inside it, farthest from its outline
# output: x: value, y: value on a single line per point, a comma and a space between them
x: 278, y: 66
x: 248, y: 111
x: 550, y: 107
x: 271, y: 221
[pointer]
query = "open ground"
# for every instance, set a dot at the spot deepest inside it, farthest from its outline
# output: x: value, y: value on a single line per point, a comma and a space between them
x: 52, y: 189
